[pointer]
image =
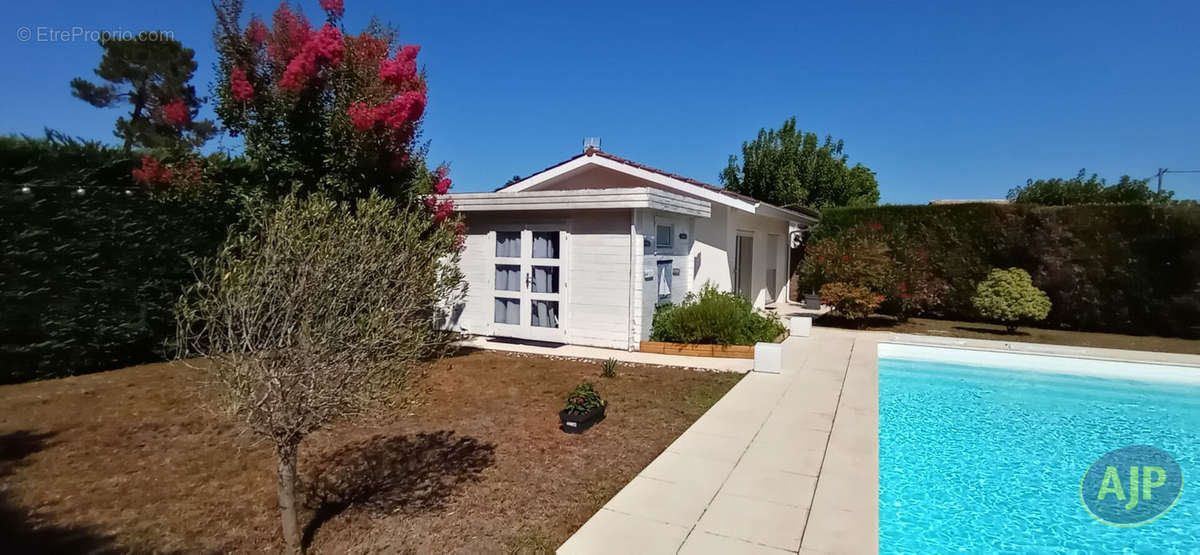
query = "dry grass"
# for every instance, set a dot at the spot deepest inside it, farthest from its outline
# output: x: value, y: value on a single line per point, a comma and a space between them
x: 976, y: 330
x: 473, y: 462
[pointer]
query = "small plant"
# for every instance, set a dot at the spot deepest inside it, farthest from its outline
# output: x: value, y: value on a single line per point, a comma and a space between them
x: 583, y: 399
x: 609, y: 368
x: 1009, y: 296
x: 852, y: 301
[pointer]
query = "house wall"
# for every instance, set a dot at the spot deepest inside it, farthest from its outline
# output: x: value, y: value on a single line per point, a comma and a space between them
x: 596, y: 286
x: 713, y: 253
x: 647, y: 260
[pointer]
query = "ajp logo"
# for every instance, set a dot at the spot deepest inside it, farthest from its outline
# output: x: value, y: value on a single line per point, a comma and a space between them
x: 1131, y: 486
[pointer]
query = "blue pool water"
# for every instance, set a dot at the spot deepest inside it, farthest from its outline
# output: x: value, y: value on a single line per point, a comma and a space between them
x: 986, y: 460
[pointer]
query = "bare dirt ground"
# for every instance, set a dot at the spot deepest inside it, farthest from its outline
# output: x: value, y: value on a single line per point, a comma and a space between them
x: 133, y: 460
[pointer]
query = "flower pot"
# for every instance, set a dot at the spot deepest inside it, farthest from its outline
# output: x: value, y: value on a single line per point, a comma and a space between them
x: 577, y: 423
x: 812, y: 301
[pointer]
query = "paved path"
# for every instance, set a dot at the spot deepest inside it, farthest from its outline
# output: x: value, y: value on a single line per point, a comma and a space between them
x: 782, y: 463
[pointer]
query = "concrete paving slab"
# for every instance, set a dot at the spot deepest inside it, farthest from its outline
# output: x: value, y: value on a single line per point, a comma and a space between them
x: 775, y: 486
x: 704, y: 543
x: 612, y: 532
x: 669, y: 502
x: 754, y: 520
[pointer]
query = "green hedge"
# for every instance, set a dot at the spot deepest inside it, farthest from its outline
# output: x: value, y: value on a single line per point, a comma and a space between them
x: 88, y: 281
x: 1119, y: 268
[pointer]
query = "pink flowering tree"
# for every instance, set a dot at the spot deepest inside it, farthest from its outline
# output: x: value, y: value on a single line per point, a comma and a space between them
x: 325, y: 110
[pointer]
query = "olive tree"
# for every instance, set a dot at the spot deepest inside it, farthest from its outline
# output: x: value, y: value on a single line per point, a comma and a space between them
x: 318, y: 311
x: 1009, y: 296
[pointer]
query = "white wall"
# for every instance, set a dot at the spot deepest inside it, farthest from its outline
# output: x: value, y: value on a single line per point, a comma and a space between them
x: 715, y: 249
x: 596, y: 310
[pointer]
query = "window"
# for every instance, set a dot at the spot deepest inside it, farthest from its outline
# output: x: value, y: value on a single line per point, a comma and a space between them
x: 508, y: 311
x: 545, y: 244
x: 544, y: 314
x: 508, y: 277
x: 664, y: 237
x: 544, y: 279
x: 508, y: 244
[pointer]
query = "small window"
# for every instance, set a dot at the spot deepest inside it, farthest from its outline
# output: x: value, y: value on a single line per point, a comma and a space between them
x: 508, y: 244
x: 664, y: 237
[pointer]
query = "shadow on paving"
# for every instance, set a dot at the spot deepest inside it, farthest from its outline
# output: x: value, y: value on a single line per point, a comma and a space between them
x: 389, y: 474
x: 19, y: 531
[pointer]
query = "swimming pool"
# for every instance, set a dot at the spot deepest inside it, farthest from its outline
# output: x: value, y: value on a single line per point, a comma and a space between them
x: 976, y: 459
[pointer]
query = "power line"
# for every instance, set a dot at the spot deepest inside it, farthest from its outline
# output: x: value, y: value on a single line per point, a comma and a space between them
x: 1162, y: 171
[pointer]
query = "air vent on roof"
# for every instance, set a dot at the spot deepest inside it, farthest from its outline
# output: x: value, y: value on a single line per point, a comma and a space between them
x: 591, y: 142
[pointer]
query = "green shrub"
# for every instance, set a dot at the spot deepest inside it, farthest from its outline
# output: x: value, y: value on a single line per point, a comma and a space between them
x: 864, y: 267
x: 1116, y: 268
x: 583, y: 399
x: 851, y: 301
x: 609, y: 368
x: 1008, y: 296
x: 713, y: 317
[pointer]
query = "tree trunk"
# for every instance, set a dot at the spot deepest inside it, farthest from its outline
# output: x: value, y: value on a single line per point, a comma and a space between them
x: 287, y: 497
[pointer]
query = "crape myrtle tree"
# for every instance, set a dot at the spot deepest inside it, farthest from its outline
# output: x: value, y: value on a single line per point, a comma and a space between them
x: 151, y: 74
x: 321, y: 109
x: 334, y: 292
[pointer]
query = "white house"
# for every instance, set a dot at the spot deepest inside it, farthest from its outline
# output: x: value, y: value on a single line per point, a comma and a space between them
x: 583, y: 251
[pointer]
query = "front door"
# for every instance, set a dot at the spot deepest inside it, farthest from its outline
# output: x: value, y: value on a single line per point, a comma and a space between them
x: 530, y: 278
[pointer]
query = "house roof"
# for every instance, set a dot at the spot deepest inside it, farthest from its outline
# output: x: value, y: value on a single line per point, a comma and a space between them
x: 593, y: 151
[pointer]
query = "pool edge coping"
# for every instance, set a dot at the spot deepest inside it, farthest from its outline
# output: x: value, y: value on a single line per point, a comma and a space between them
x: 1148, y: 366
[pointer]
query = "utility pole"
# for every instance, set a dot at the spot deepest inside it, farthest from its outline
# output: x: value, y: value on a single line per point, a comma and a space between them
x: 1161, y: 171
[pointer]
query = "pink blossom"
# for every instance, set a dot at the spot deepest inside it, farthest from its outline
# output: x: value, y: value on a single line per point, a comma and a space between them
x: 292, y: 31
x: 325, y: 49
x: 257, y: 31
x: 175, y: 113
x: 152, y: 172
x: 333, y: 7
x: 361, y: 115
x: 401, y: 70
x: 443, y: 183
x: 241, y: 88
x: 444, y: 210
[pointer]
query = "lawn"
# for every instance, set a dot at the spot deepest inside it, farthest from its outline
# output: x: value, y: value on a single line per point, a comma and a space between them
x: 472, y: 461
x: 976, y: 330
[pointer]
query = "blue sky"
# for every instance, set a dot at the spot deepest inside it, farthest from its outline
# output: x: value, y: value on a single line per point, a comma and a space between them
x: 942, y: 100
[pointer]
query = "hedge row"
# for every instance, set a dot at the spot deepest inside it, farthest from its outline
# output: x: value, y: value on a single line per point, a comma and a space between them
x: 88, y: 280
x: 1131, y: 269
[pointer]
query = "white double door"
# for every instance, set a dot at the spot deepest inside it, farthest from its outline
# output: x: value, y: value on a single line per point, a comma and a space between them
x: 530, y: 282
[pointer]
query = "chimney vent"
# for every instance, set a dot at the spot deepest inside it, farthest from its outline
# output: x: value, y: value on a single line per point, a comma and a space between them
x: 590, y: 143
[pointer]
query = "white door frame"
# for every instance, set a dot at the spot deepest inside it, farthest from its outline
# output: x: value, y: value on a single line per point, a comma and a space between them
x: 525, y: 329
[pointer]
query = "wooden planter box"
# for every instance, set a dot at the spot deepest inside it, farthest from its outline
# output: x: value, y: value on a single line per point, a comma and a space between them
x: 577, y: 423
x: 699, y: 350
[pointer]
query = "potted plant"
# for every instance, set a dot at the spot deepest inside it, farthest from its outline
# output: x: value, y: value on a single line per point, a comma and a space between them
x: 812, y: 300
x: 584, y: 408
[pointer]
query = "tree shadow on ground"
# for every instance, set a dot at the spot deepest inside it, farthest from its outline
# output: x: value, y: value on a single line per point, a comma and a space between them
x: 390, y: 474
x: 992, y: 331
x: 20, y: 531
